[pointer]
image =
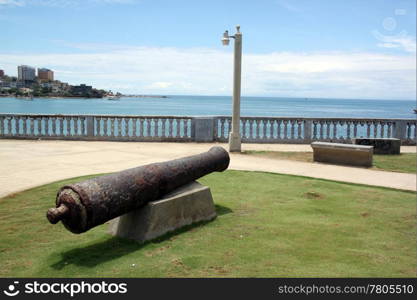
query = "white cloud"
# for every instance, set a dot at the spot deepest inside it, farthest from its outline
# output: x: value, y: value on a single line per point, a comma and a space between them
x: 12, y: 3
x: 61, y: 3
x: 209, y: 72
x: 402, y: 41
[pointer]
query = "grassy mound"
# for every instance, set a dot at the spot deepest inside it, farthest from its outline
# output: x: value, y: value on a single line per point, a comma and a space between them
x: 268, y: 225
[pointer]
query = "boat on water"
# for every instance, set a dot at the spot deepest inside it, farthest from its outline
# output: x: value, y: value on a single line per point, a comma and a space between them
x: 415, y: 110
x: 114, y: 98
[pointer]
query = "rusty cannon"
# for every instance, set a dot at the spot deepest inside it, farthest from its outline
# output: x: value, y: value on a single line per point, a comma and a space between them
x: 84, y: 205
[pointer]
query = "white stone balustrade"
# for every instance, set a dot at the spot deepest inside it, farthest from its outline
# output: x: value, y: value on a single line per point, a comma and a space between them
x: 202, y: 129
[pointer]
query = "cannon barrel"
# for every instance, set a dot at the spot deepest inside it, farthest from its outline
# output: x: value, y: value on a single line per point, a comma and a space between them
x: 84, y: 205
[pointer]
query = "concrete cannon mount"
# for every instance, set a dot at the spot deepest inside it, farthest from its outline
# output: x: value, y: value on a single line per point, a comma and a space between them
x: 186, y: 205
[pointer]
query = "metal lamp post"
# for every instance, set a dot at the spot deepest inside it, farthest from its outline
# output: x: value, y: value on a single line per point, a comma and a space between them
x: 234, y: 136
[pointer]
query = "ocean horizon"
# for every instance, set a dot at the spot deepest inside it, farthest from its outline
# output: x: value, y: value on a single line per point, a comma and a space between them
x: 187, y: 105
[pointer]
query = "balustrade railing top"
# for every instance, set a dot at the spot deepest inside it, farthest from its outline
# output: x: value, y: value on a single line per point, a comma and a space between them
x: 186, y: 129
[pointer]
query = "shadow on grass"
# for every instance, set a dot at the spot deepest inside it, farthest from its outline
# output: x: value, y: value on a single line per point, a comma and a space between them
x: 115, y: 247
x: 222, y: 210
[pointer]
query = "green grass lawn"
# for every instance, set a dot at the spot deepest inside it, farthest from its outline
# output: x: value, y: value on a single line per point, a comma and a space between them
x: 405, y: 163
x: 268, y: 225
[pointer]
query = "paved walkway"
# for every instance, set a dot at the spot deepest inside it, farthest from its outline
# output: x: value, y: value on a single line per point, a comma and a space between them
x: 26, y: 164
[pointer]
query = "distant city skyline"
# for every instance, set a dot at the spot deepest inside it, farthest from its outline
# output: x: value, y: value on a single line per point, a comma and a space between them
x: 330, y: 49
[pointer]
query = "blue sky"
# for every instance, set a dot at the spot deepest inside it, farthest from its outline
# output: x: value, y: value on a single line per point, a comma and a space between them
x: 299, y: 48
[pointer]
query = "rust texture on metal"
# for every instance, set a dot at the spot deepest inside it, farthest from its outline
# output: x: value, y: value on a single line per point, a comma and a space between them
x: 84, y: 205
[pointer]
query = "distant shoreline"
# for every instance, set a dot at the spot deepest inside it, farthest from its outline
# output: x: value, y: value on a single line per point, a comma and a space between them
x: 86, y: 98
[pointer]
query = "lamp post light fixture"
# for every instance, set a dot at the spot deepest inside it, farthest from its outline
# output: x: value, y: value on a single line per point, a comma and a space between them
x: 234, y: 136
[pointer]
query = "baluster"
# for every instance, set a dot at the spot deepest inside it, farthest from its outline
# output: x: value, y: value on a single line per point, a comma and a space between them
x: 348, y: 129
x: 163, y: 120
x: 285, y: 129
x: 17, y: 122
x: 99, y: 126
x: 107, y: 126
x: 148, y: 127
x: 134, y: 127
x: 382, y: 124
x: 9, y: 126
x: 314, y: 130
x: 61, y: 127
x: 355, y: 130
x: 117, y: 128
x: 299, y: 129
x: 178, y: 128
x: 114, y: 125
x: 389, y: 129
x: 251, y: 128
x: 67, y: 123
x: 187, y: 123
x: 334, y: 129
x: 126, y: 126
x: 54, y: 121
x: 82, y: 122
x: 183, y: 127
x: 264, y: 129
x: 102, y: 126
x: 258, y: 127
x: 58, y: 128
x: 53, y: 129
x: 179, y: 124
x: 229, y: 127
x: 368, y: 129
x: 279, y: 129
x: 140, y: 127
x: 120, y: 128
x: 118, y: 122
x: 155, y: 127
x: 271, y: 129
x: 39, y: 123
x: 69, y: 126
x: 75, y: 119
x: 408, y: 131
x: 31, y: 126
x: 292, y: 128
x: 112, y: 133
x: 221, y: 128
x: 328, y: 129
x: 1, y: 126
x: 321, y: 130
x: 46, y: 126
x: 243, y: 128
x: 25, y: 119
x: 375, y: 128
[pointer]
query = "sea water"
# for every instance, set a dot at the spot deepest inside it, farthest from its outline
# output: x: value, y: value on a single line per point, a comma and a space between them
x: 215, y: 106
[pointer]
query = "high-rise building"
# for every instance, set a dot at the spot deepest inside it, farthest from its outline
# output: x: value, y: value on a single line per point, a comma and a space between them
x: 45, y: 74
x: 1, y: 73
x: 26, y: 73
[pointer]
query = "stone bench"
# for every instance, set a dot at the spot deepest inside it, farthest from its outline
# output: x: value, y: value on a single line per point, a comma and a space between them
x: 381, y: 145
x: 346, y: 154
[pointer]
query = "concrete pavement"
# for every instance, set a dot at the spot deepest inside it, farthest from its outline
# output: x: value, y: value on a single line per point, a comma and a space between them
x: 25, y: 164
